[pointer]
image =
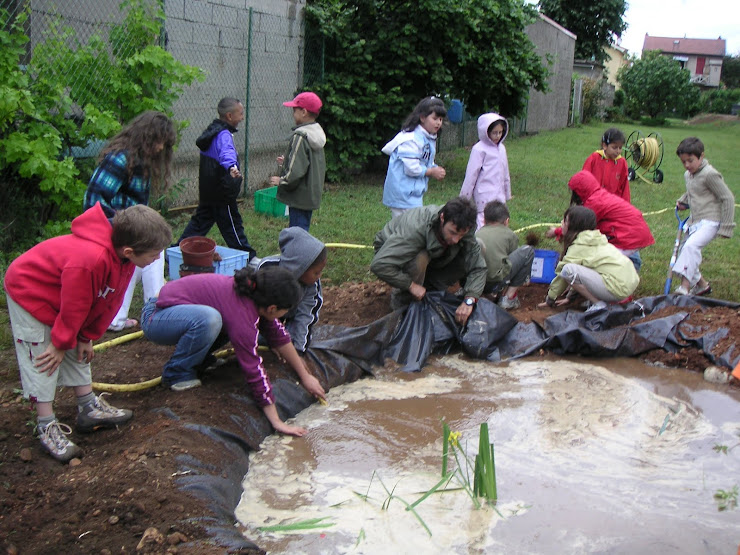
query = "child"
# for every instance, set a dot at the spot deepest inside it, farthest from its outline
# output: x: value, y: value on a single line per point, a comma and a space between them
x: 62, y: 294
x: 219, y: 180
x: 411, y: 154
x: 622, y: 223
x: 487, y: 177
x: 200, y: 313
x: 712, y: 207
x: 141, y: 154
x: 304, y: 256
x: 608, y: 165
x: 509, y: 265
x: 303, y: 167
x: 590, y: 265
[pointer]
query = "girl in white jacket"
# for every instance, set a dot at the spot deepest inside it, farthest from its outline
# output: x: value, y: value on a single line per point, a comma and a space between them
x: 487, y: 176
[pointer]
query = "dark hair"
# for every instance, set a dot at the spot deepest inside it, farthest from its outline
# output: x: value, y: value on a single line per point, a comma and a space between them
x: 501, y: 122
x: 612, y: 135
x: 140, y: 139
x: 227, y: 105
x: 320, y: 258
x: 426, y: 106
x: 460, y: 211
x: 579, y: 219
x: 690, y: 145
x: 270, y: 285
x: 495, y: 212
x: 141, y: 228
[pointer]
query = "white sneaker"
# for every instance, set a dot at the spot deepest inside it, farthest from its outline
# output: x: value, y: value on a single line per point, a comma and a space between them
x: 681, y: 290
x: 53, y: 439
x: 596, y: 306
x: 509, y: 304
x: 185, y: 385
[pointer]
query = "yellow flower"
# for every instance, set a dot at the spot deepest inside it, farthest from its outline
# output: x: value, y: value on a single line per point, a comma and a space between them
x: 454, y: 439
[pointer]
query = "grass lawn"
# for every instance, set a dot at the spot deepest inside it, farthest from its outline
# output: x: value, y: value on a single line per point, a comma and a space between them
x: 351, y: 212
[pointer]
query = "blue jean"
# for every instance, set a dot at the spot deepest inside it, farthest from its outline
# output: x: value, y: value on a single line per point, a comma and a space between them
x: 193, y: 328
x: 299, y: 218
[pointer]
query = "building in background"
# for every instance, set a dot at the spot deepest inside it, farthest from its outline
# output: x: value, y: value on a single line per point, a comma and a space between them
x: 702, y: 57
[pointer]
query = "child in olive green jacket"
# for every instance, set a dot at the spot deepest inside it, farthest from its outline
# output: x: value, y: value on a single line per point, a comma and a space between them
x: 303, y: 167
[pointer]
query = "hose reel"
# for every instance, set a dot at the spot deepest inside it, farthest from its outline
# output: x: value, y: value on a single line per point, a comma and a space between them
x: 644, y: 155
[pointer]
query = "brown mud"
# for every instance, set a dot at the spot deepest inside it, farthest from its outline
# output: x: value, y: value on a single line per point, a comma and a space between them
x: 126, y: 484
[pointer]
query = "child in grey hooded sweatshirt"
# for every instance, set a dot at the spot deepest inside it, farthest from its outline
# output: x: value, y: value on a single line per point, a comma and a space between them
x: 305, y: 257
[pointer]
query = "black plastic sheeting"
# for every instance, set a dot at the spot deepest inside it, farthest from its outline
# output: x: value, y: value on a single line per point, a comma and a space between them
x: 342, y: 355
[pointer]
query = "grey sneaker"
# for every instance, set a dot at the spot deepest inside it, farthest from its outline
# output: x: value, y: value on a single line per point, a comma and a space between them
x: 509, y: 304
x: 53, y: 439
x: 185, y: 385
x: 596, y: 306
x: 99, y: 414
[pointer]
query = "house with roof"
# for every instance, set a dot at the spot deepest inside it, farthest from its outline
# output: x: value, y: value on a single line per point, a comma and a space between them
x: 702, y: 57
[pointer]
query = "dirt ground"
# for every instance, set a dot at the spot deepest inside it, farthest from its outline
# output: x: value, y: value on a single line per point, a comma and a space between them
x: 126, y: 484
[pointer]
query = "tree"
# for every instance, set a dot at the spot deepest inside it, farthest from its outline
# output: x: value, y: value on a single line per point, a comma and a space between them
x: 595, y: 22
x: 655, y: 85
x: 382, y: 57
x: 731, y: 72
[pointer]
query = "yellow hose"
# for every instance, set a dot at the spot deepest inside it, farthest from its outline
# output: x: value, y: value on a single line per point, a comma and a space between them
x: 645, y: 153
x: 118, y: 341
x: 346, y: 246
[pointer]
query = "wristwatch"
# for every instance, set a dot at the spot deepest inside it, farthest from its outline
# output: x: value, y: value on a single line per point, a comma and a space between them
x: 470, y: 301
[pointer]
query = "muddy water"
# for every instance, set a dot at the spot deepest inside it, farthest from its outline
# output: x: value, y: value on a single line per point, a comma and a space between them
x: 606, y: 456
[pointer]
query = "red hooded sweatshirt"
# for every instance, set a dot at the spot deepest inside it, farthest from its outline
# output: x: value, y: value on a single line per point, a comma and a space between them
x: 73, y: 283
x: 622, y: 223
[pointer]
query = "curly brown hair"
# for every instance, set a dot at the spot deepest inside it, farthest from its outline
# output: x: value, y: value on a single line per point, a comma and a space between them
x: 141, y: 139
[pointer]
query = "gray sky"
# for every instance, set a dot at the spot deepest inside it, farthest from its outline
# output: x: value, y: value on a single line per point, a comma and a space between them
x: 694, y: 19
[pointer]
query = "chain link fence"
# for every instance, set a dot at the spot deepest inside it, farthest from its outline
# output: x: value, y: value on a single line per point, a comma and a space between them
x: 254, y: 50
x: 254, y: 53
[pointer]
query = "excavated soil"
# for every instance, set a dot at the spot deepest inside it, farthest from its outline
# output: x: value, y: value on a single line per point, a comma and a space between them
x: 123, y: 495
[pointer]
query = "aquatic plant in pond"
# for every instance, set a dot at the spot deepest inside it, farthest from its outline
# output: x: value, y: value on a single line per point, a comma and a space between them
x: 484, y: 468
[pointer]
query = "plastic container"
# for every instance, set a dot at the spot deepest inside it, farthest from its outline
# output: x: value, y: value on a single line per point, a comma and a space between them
x: 197, y: 251
x: 543, y: 266
x: 455, y: 113
x: 231, y: 261
x: 265, y: 202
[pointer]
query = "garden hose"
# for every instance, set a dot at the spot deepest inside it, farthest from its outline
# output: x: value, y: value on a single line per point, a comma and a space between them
x: 645, y: 153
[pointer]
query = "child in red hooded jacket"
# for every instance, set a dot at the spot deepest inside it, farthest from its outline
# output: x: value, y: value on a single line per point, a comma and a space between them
x: 622, y: 223
x: 62, y: 295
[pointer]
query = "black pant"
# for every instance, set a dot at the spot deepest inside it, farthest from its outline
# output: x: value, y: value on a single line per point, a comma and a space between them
x: 228, y: 220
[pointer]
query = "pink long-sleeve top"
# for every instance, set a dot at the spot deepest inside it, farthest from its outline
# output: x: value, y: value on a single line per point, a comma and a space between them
x: 241, y: 322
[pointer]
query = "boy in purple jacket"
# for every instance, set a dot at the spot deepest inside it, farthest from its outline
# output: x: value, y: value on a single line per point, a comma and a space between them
x: 219, y: 180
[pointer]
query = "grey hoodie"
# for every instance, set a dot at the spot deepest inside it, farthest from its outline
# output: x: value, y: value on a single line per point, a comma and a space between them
x: 298, y: 251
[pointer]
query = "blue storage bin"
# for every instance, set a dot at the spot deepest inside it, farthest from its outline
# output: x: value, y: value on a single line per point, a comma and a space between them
x: 543, y: 266
x: 231, y: 261
x: 455, y: 113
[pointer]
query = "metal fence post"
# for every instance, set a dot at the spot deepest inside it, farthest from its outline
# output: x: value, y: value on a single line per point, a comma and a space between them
x: 245, y: 173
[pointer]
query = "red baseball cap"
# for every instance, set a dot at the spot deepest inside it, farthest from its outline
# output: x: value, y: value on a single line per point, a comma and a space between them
x: 308, y: 100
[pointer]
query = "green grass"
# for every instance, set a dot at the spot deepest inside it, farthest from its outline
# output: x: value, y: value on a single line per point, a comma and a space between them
x: 352, y: 212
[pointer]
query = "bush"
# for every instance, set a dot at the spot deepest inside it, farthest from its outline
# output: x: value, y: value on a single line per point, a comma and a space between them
x: 719, y: 101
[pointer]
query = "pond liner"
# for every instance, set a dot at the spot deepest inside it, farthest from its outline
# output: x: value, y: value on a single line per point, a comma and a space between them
x: 342, y: 355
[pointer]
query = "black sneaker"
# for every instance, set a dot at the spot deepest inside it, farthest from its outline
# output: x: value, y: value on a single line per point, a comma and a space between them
x: 53, y: 439
x: 99, y: 414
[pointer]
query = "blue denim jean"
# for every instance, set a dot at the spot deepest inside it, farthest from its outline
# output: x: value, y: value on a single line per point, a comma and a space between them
x: 299, y: 218
x: 193, y: 328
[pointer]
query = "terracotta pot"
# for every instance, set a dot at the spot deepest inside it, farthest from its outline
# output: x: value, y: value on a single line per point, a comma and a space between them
x: 197, y: 251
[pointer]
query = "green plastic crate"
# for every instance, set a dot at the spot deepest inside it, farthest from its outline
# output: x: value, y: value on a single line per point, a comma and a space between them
x: 265, y: 202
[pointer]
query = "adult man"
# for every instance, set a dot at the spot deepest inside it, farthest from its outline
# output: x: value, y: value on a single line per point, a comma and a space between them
x: 431, y: 248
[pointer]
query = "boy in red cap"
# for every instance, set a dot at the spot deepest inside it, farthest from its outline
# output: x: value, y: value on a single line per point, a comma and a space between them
x: 303, y: 167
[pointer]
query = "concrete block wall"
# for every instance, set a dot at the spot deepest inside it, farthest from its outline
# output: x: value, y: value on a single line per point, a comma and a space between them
x: 550, y: 111
x: 215, y: 36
